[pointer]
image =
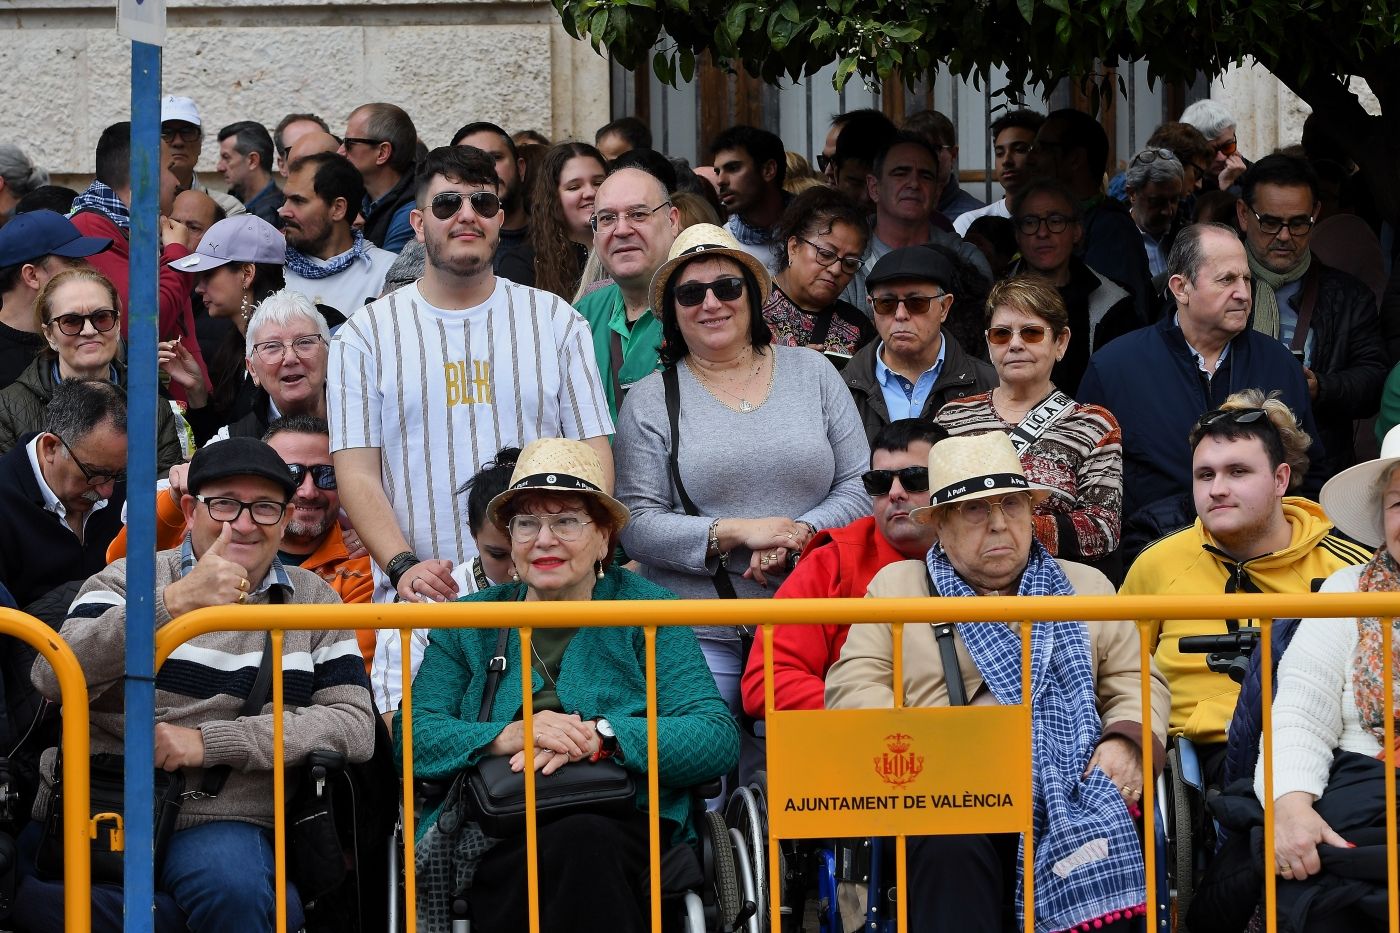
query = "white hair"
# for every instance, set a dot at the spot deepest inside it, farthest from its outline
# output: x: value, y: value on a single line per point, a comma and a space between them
x: 280, y: 309
x: 1208, y: 116
x: 1158, y: 171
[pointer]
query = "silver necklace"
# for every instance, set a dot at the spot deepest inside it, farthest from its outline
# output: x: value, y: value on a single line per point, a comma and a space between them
x: 745, y: 405
x: 544, y: 668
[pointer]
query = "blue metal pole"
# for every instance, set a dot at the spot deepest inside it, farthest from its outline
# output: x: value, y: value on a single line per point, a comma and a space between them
x: 142, y: 315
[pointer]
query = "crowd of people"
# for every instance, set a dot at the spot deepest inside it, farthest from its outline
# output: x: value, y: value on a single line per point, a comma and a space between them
x: 504, y: 369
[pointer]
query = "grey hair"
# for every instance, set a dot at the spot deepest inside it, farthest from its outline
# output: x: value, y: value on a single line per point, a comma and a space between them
x: 1188, y: 254
x: 280, y: 309
x: 406, y: 269
x: 1158, y: 171
x: 1208, y: 116
x: 79, y: 405
x: 21, y: 175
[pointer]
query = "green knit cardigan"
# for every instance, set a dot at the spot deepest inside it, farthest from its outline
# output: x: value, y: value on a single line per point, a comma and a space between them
x: 603, y: 674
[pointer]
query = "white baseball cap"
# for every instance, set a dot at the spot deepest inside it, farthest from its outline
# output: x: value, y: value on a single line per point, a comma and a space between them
x: 178, y: 108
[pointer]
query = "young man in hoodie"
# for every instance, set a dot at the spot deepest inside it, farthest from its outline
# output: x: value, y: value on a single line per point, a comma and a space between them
x: 840, y: 562
x: 1250, y: 536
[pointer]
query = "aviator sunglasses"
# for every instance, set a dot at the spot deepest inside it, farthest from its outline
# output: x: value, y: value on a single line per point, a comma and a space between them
x: 447, y: 204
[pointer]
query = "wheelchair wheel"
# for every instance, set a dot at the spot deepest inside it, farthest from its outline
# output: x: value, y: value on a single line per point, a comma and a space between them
x: 720, y: 870
x: 745, y: 813
x: 1183, y: 831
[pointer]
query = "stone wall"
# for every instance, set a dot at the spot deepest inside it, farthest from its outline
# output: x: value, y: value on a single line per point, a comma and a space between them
x: 1270, y: 115
x: 445, y: 62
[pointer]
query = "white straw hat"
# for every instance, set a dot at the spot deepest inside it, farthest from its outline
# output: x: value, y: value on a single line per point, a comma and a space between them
x: 975, y: 466
x: 1352, y: 498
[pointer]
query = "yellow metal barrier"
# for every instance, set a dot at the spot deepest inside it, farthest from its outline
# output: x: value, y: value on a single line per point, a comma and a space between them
x: 527, y: 616
x: 77, y: 867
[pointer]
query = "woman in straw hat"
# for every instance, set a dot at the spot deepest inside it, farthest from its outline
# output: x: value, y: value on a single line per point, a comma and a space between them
x: 1075, y: 451
x: 1329, y: 722
x: 589, y: 687
x: 1086, y: 714
x: 767, y: 446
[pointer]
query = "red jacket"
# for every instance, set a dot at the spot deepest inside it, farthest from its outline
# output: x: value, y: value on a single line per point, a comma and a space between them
x: 173, y: 287
x: 839, y: 562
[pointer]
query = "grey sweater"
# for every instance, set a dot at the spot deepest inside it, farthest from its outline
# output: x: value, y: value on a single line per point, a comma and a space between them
x: 800, y: 455
x: 203, y: 684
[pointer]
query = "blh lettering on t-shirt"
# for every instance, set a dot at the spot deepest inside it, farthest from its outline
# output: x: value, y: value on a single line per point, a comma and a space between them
x: 465, y: 389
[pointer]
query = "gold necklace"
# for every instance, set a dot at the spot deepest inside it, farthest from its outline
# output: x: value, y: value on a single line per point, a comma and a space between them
x: 745, y: 406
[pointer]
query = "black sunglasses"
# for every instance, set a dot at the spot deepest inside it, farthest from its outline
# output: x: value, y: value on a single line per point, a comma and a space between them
x: 1232, y: 416
x: 879, y: 482
x: 693, y: 293
x: 824, y: 160
x: 446, y: 205
x: 102, y: 320
x: 322, y: 474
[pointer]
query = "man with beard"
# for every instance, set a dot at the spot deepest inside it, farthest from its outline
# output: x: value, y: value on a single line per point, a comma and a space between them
x: 327, y: 259
x: 515, y: 259
x: 1155, y: 183
x: 429, y: 382
x: 750, y: 164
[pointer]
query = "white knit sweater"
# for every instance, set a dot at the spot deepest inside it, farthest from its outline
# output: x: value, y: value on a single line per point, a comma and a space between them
x: 1315, y: 708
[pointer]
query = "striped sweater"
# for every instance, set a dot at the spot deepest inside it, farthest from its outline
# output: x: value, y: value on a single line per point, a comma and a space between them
x: 1079, y: 458
x: 204, y: 682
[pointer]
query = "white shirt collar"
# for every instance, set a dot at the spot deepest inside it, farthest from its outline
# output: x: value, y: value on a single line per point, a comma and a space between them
x: 51, y: 502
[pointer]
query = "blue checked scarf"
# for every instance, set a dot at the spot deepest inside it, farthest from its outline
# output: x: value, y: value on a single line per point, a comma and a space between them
x: 99, y: 197
x: 1072, y: 817
x: 304, y: 267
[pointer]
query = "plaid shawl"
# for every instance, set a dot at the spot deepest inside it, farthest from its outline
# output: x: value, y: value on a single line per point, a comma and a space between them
x: 99, y: 197
x: 1088, y: 861
x: 297, y: 262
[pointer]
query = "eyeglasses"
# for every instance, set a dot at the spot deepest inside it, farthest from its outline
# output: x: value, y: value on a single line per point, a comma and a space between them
x: 273, y: 351
x: 349, y: 141
x: 1228, y: 147
x: 225, y: 509
x: 1232, y: 416
x: 93, y: 477
x: 186, y: 133
x: 693, y: 293
x: 526, y: 528
x: 976, y: 511
x: 1030, y: 224
x: 447, y: 204
x: 1030, y: 333
x: 1297, y: 226
x: 1148, y: 156
x: 102, y: 320
x: 825, y: 257
x: 914, y: 304
x: 322, y: 474
x: 880, y: 482
x: 606, y: 220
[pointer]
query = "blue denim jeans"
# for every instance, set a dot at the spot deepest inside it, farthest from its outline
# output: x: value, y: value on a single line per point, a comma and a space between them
x: 223, y: 876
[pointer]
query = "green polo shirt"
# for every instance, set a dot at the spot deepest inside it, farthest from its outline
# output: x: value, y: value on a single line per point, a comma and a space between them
x: 606, y: 315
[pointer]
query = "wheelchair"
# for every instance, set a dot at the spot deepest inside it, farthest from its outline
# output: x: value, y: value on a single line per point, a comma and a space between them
x: 727, y: 900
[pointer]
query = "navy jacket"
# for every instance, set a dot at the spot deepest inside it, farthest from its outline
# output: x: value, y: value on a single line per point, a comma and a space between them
x: 1150, y: 381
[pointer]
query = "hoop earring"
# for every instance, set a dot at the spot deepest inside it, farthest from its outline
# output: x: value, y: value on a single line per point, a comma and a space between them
x: 598, y: 569
x: 245, y: 309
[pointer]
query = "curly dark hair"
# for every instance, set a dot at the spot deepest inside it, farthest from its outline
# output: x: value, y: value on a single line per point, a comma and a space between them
x: 969, y: 289
x: 557, y: 264
x: 813, y: 213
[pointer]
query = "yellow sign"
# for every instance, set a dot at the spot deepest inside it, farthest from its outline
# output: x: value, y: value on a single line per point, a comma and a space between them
x: 886, y: 772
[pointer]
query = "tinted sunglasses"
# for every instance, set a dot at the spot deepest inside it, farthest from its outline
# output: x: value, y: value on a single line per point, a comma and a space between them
x: 824, y: 161
x: 102, y: 321
x: 1231, y: 416
x: 693, y: 293
x: 447, y: 204
x: 323, y: 474
x: 879, y: 482
x: 1030, y: 333
x: 914, y: 304
x: 1228, y: 147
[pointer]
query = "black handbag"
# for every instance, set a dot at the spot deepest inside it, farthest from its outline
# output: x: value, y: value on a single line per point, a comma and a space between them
x: 494, y: 796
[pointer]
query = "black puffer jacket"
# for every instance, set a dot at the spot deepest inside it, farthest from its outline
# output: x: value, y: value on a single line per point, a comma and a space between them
x: 22, y: 405
x: 1347, y: 356
x: 962, y: 375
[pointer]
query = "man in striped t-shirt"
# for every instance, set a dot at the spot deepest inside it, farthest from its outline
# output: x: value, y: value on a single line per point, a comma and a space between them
x: 427, y: 383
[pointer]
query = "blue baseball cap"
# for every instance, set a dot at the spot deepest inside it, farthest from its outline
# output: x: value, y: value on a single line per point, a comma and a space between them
x: 45, y: 233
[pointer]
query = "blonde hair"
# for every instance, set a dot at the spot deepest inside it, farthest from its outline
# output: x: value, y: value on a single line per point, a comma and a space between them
x: 44, y: 299
x: 694, y: 209
x: 800, y: 176
x: 1294, y: 439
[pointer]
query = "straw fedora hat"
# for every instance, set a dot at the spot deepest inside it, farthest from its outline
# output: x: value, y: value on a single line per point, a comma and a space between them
x: 710, y: 241
x: 1352, y: 497
x: 975, y: 466
x: 557, y: 464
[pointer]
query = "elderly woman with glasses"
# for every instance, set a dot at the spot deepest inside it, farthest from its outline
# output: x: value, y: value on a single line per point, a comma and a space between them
x: 79, y: 317
x: 1086, y: 715
x: 825, y: 236
x: 1075, y: 451
x: 736, y: 453
x: 589, y: 700
x: 1048, y: 230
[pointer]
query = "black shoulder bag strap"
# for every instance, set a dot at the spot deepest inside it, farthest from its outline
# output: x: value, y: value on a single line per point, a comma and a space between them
x: 494, y: 672
x: 948, y: 652
x: 723, y: 585
x: 821, y: 325
x: 615, y: 360
x: 215, y: 777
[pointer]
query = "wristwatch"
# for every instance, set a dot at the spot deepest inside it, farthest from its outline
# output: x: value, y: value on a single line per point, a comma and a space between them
x: 607, y: 740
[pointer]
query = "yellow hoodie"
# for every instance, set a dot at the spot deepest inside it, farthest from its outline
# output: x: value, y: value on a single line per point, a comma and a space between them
x: 1203, y: 702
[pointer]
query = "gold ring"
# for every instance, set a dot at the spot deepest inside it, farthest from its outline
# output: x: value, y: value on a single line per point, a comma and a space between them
x: 242, y: 598
x: 243, y: 584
